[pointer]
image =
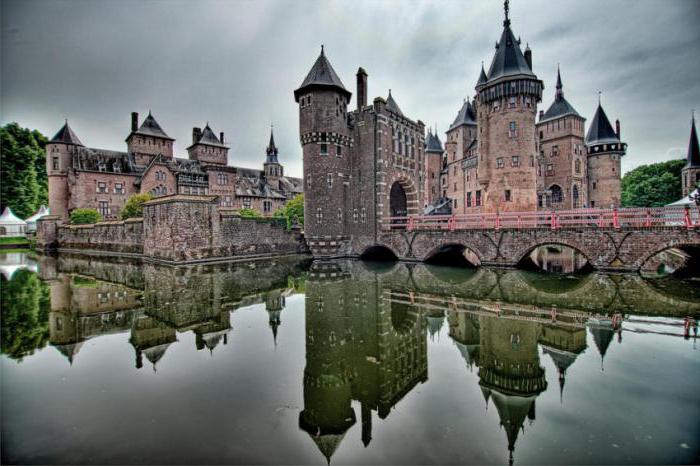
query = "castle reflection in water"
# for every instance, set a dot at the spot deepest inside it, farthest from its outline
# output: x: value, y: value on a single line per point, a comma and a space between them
x: 367, y: 325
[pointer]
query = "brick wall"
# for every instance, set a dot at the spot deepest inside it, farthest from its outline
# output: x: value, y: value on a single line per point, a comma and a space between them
x: 119, y: 236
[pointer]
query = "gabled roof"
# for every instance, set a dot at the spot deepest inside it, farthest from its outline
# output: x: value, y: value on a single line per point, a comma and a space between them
x: 601, y: 131
x: 322, y: 75
x: 391, y: 105
x: 66, y: 135
x: 150, y: 127
x: 433, y: 143
x: 693, y: 149
x: 560, y: 106
x: 465, y: 116
x: 508, y: 59
x: 271, y: 150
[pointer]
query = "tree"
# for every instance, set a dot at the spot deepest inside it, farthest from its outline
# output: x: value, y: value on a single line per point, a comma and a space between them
x: 83, y: 216
x: 653, y: 185
x: 293, y: 211
x: 134, y: 206
x: 247, y: 212
x: 22, y: 169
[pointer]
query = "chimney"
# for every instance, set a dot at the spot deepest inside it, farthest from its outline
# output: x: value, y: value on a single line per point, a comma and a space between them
x: 221, y: 137
x: 196, y: 135
x: 361, y: 88
x: 134, y: 121
x: 617, y: 129
x: 528, y: 57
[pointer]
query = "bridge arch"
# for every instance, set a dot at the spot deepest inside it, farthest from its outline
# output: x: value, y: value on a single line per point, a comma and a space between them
x: 452, y: 253
x: 380, y: 253
x: 524, y: 256
x: 690, y: 248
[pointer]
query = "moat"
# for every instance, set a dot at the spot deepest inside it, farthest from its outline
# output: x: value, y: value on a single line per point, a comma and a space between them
x: 116, y: 361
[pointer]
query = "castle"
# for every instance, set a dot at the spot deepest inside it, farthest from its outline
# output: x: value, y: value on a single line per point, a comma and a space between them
x: 81, y: 176
x: 365, y: 166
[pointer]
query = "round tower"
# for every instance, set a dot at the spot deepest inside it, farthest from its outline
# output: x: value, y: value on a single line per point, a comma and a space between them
x: 59, y: 152
x: 325, y: 140
x: 605, y: 150
x: 506, y: 111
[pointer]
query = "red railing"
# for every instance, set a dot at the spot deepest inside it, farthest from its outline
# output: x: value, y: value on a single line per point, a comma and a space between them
x: 681, y: 216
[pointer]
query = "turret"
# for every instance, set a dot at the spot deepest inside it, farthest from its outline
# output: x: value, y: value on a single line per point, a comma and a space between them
x: 207, y: 148
x: 59, y: 160
x: 273, y: 169
x: 507, y: 100
x: 605, y: 151
x: 148, y: 140
x: 690, y: 174
x: 325, y: 140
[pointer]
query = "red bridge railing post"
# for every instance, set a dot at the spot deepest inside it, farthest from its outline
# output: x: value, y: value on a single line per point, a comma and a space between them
x: 553, y: 221
x: 616, y: 219
x: 519, y: 223
x: 686, y: 216
x: 497, y: 224
x: 647, y: 223
x: 410, y: 223
x: 452, y: 222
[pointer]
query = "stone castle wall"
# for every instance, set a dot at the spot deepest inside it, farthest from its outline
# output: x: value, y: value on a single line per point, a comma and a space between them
x: 119, y: 237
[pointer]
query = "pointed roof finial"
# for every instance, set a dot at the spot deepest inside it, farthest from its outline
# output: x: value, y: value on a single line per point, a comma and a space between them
x: 321, y: 49
x: 599, y: 94
x: 506, y: 8
x: 560, y: 88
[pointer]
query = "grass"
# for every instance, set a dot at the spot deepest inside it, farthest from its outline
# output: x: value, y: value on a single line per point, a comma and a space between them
x: 15, y: 240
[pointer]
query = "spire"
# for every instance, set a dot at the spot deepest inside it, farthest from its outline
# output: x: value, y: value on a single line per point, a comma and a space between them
x: 392, y: 105
x: 560, y: 89
x: 693, y: 148
x: 150, y: 127
x: 323, y: 76
x: 601, y: 131
x: 482, y: 75
x: 506, y: 8
x: 65, y: 135
x: 509, y: 59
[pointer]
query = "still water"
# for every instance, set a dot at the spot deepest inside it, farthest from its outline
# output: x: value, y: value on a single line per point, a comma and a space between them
x: 287, y: 362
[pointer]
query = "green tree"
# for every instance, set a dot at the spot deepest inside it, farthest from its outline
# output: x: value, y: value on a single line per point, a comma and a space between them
x: 134, y: 206
x: 22, y: 169
x: 247, y: 212
x: 83, y: 216
x: 25, y: 314
x: 653, y: 185
x: 292, y: 211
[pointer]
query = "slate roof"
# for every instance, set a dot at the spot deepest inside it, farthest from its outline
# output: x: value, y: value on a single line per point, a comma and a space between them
x: 391, y: 105
x: 251, y: 183
x: 601, y: 131
x: 482, y: 76
x: 433, y: 143
x: 693, y: 149
x: 209, y: 138
x: 465, y: 116
x: 65, y: 135
x: 103, y: 160
x: 271, y: 150
x: 508, y: 59
x: 322, y: 75
x: 560, y: 106
x: 150, y: 127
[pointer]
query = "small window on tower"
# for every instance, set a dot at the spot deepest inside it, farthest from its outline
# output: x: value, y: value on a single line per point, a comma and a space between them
x: 55, y: 163
x: 329, y: 180
x: 515, y: 161
x: 512, y: 130
x: 511, y: 103
x: 339, y: 151
x: 507, y: 195
x: 324, y: 149
x: 499, y: 162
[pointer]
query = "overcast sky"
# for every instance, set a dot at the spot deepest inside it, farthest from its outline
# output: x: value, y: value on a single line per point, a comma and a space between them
x: 235, y: 64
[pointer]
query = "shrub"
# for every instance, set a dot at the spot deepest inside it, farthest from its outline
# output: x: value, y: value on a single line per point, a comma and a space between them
x: 292, y: 211
x: 83, y: 216
x: 247, y: 212
x: 134, y: 206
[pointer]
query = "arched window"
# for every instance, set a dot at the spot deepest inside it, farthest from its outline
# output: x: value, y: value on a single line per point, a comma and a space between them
x: 575, y: 196
x: 557, y: 195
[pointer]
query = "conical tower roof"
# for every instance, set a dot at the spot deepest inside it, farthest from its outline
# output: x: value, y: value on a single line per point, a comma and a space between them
x: 66, y: 135
x: 602, y: 336
x: 560, y: 106
x: 209, y: 138
x: 271, y: 150
x: 321, y: 76
x: 433, y: 143
x: 693, y: 149
x: 465, y: 116
x: 150, y: 127
x: 69, y: 350
x: 512, y: 410
x: 482, y: 76
x: 392, y: 105
x: 601, y: 131
x: 508, y: 59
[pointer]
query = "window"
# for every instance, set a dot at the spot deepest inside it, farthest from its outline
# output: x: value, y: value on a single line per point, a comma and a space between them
x: 246, y: 203
x: 478, y: 198
x: 363, y: 215
x: 541, y: 134
x: 223, y: 178
x: 557, y: 194
x: 512, y: 130
x: 454, y: 172
x: 499, y: 162
x: 101, y: 187
x: 515, y: 161
x: 594, y: 186
x: 455, y: 203
x: 267, y: 206
x: 354, y: 215
x: 340, y: 215
x: 507, y: 195
x: 329, y: 180
x: 119, y: 188
x: 103, y: 208
x: 469, y: 199
x: 319, y: 215
x: 308, y: 181
x: 432, y: 190
x: 454, y: 188
x: 577, y: 166
x: 226, y: 201
x: 55, y: 163
x: 324, y: 149
x: 550, y: 170
x: 339, y: 151
x: 555, y: 151
x: 511, y: 102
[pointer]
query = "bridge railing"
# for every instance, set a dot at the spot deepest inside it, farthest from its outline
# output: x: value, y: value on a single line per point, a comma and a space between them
x: 675, y: 216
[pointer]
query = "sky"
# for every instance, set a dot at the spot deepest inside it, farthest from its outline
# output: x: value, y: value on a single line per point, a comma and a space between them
x: 236, y: 63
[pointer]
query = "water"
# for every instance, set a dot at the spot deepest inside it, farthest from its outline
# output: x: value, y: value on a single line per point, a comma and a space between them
x: 282, y: 362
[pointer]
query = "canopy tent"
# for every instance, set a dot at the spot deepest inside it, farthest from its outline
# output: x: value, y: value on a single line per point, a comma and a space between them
x: 31, y: 221
x: 10, y: 225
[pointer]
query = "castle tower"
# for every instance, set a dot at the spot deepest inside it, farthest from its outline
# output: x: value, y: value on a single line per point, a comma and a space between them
x: 433, y: 166
x: 605, y: 150
x: 273, y: 169
x: 506, y: 109
x: 461, y: 137
x: 148, y: 140
x: 59, y: 153
x: 207, y: 148
x: 690, y: 174
x: 325, y: 139
x: 561, y: 164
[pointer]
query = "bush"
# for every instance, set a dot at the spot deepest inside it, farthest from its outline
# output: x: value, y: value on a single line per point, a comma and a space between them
x: 134, y: 206
x: 293, y: 211
x: 247, y: 212
x: 652, y: 185
x: 83, y: 216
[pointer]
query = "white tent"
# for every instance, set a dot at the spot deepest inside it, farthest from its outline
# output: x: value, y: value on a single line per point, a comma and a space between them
x: 10, y: 225
x: 31, y: 221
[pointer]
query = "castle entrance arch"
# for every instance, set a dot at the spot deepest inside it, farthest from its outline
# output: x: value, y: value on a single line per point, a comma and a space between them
x: 398, y: 203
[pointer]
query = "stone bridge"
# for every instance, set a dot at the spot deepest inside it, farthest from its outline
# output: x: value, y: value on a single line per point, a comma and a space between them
x: 624, y: 249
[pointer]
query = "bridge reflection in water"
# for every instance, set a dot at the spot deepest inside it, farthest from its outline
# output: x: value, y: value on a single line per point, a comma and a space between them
x: 367, y: 325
